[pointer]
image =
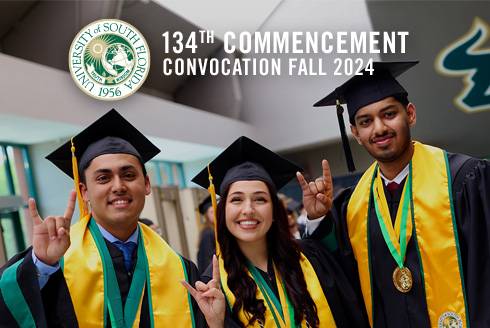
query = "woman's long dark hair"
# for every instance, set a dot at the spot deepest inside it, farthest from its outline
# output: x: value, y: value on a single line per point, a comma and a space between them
x: 285, y: 253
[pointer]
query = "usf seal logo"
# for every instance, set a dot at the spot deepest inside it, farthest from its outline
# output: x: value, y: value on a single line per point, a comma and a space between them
x: 450, y: 320
x: 109, y: 59
x: 466, y: 58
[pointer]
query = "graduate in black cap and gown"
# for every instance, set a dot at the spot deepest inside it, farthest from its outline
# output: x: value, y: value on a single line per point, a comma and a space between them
x: 206, y: 248
x: 414, y: 230
x: 106, y: 270
x: 268, y: 278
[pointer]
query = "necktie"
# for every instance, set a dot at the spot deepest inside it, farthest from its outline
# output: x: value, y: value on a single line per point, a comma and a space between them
x: 127, y: 250
x: 392, y: 186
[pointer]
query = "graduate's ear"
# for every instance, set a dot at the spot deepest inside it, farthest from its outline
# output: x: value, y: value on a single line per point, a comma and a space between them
x: 147, y: 185
x: 355, y: 133
x: 411, y: 114
x: 83, y: 190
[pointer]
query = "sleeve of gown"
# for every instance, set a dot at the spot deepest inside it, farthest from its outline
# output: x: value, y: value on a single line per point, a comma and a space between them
x: 332, y: 231
x: 471, y: 188
x: 334, y: 236
x: 58, y: 306
x: 343, y: 294
x: 20, y: 293
x: 193, y: 276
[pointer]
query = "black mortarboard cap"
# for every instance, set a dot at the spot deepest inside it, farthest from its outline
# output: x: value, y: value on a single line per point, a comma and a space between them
x: 365, y: 89
x: 362, y: 90
x: 245, y: 159
x: 205, y: 204
x: 110, y: 134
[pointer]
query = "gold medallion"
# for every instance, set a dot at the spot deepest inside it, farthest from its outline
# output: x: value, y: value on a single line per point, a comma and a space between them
x: 402, y: 279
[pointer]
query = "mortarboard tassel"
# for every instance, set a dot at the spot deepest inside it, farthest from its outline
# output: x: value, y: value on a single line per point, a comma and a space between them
x: 76, y: 181
x: 345, y: 140
x: 212, y: 192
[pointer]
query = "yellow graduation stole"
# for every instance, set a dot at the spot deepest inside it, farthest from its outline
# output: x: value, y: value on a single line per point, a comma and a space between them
x: 83, y: 270
x: 433, y: 222
x: 280, y: 314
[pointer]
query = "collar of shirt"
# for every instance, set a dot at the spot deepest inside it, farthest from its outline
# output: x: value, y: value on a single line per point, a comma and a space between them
x: 107, y: 235
x: 399, y: 178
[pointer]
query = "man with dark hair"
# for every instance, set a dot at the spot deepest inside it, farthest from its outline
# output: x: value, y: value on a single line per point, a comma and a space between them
x: 414, y: 231
x: 106, y: 270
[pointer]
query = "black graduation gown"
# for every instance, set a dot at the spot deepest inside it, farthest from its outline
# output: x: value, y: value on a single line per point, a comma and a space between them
x: 471, y: 198
x: 344, y: 299
x: 52, y: 306
x: 206, y: 249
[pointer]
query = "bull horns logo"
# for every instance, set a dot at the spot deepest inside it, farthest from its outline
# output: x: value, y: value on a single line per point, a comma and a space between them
x: 465, y: 58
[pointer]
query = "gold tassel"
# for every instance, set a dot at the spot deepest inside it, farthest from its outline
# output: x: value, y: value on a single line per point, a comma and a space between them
x: 212, y: 192
x: 76, y: 181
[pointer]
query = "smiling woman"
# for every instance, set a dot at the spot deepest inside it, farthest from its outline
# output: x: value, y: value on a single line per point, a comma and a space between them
x: 248, y: 215
x: 269, y: 279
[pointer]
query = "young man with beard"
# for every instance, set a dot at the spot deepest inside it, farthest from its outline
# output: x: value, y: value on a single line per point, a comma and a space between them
x: 414, y: 230
x: 106, y: 270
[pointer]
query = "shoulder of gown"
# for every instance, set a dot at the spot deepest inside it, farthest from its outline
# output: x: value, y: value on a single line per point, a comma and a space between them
x: 471, y: 200
x: 28, y: 283
x: 343, y: 293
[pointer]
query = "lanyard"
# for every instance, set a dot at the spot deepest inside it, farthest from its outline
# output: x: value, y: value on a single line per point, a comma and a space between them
x: 396, y: 239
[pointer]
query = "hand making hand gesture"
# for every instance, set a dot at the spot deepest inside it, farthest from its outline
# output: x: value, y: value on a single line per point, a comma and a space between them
x: 210, y: 298
x: 318, y: 194
x: 51, y: 236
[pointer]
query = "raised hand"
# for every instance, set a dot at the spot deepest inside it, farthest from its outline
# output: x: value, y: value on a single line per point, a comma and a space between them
x: 210, y: 298
x: 318, y: 194
x: 51, y: 236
